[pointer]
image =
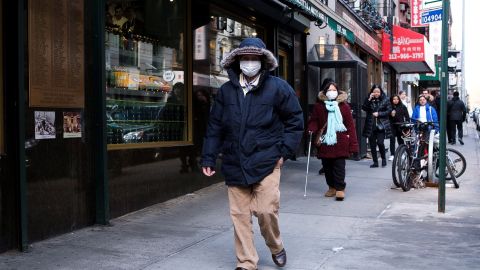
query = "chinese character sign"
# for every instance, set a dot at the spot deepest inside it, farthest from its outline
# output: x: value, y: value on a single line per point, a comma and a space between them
x: 416, y: 13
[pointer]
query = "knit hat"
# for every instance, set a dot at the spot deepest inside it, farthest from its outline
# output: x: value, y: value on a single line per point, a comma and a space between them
x: 251, y: 46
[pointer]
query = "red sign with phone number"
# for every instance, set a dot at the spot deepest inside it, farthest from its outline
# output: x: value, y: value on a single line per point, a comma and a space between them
x: 407, y: 46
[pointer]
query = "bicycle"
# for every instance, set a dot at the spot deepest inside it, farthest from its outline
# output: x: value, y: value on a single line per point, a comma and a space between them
x: 409, y: 162
x: 408, y: 137
x: 455, y: 162
x: 412, y: 163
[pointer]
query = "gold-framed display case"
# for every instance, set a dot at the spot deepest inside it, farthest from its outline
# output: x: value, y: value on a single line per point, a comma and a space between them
x: 147, y: 102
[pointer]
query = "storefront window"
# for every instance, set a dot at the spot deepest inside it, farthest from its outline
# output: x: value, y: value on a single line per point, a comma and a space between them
x: 146, y: 104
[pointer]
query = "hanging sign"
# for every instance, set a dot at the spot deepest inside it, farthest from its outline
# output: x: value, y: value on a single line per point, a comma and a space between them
x: 416, y: 9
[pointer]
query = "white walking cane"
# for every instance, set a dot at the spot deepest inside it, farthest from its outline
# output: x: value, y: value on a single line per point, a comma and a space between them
x: 308, y: 161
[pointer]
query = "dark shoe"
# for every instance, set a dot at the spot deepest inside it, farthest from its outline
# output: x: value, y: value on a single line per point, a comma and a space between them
x: 280, y: 259
x: 321, y: 171
x: 374, y: 165
x: 240, y: 268
x: 384, y: 162
x: 460, y: 141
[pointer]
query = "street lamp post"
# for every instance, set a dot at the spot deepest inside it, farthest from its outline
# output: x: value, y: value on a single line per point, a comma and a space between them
x: 443, y: 107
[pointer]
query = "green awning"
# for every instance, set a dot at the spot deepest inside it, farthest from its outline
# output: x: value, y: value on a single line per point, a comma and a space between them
x: 340, y: 29
x: 429, y: 77
x: 309, y: 9
x: 317, y: 15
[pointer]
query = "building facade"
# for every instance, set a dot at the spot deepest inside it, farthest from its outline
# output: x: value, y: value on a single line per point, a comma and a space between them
x: 104, y: 104
x: 108, y: 102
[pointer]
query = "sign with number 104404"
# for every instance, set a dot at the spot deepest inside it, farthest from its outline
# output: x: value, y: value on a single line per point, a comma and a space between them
x: 431, y: 16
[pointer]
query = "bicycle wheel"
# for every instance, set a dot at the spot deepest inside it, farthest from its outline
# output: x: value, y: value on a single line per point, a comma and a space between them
x: 394, y: 167
x: 457, y: 162
x: 402, y: 164
x: 452, y: 175
x: 431, y: 142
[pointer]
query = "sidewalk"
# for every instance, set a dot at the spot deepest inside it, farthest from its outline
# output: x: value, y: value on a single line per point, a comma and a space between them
x: 376, y: 227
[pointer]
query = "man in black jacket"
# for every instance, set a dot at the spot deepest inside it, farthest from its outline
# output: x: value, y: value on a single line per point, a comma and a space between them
x: 256, y: 122
x: 456, y: 113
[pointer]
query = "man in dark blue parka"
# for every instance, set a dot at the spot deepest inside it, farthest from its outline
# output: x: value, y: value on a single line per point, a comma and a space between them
x: 256, y: 123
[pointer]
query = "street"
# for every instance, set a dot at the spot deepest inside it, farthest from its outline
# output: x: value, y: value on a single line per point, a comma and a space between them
x: 376, y: 227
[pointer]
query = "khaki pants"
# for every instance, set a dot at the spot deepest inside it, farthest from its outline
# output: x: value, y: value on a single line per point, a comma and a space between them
x: 262, y: 200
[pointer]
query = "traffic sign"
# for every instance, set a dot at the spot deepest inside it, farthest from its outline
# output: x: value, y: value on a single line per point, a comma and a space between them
x: 431, y: 16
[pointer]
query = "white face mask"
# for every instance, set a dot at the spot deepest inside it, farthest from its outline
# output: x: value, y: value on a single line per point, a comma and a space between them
x: 250, y: 68
x: 331, y: 95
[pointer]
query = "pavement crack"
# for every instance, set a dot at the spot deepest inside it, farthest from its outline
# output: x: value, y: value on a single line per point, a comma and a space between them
x: 184, y: 248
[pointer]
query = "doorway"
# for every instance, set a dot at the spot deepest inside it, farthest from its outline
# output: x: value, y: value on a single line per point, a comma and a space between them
x: 283, y: 64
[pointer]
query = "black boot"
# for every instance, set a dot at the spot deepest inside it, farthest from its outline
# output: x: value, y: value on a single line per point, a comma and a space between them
x: 384, y: 162
x: 374, y: 165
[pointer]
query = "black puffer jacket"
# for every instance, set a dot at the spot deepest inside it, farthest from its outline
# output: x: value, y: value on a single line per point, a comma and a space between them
x: 383, y: 107
x: 401, y: 116
x: 456, y: 110
x: 254, y: 130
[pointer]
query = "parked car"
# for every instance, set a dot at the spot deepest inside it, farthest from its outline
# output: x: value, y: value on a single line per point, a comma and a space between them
x: 477, y: 121
x: 129, y: 124
x: 474, y: 114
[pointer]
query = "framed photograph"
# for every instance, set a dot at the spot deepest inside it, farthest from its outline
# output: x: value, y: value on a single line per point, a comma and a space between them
x: 45, y: 125
x: 72, y: 125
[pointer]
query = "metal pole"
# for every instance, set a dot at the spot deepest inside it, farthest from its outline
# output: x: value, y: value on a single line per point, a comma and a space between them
x: 464, y: 91
x: 443, y: 106
x: 308, y: 161
x: 102, y: 206
x: 20, y: 110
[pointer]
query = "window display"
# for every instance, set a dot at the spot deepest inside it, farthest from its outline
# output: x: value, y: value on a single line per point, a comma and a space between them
x: 145, y: 73
x: 212, y: 42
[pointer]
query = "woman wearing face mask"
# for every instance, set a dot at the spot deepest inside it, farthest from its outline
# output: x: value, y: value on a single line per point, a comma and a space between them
x: 332, y: 114
x: 377, y: 124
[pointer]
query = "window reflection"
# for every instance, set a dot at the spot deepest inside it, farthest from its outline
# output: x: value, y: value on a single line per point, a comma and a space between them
x: 146, y: 99
x: 212, y: 42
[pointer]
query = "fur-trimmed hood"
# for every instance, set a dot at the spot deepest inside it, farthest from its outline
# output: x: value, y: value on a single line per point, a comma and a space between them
x: 342, y: 96
x: 253, y: 46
